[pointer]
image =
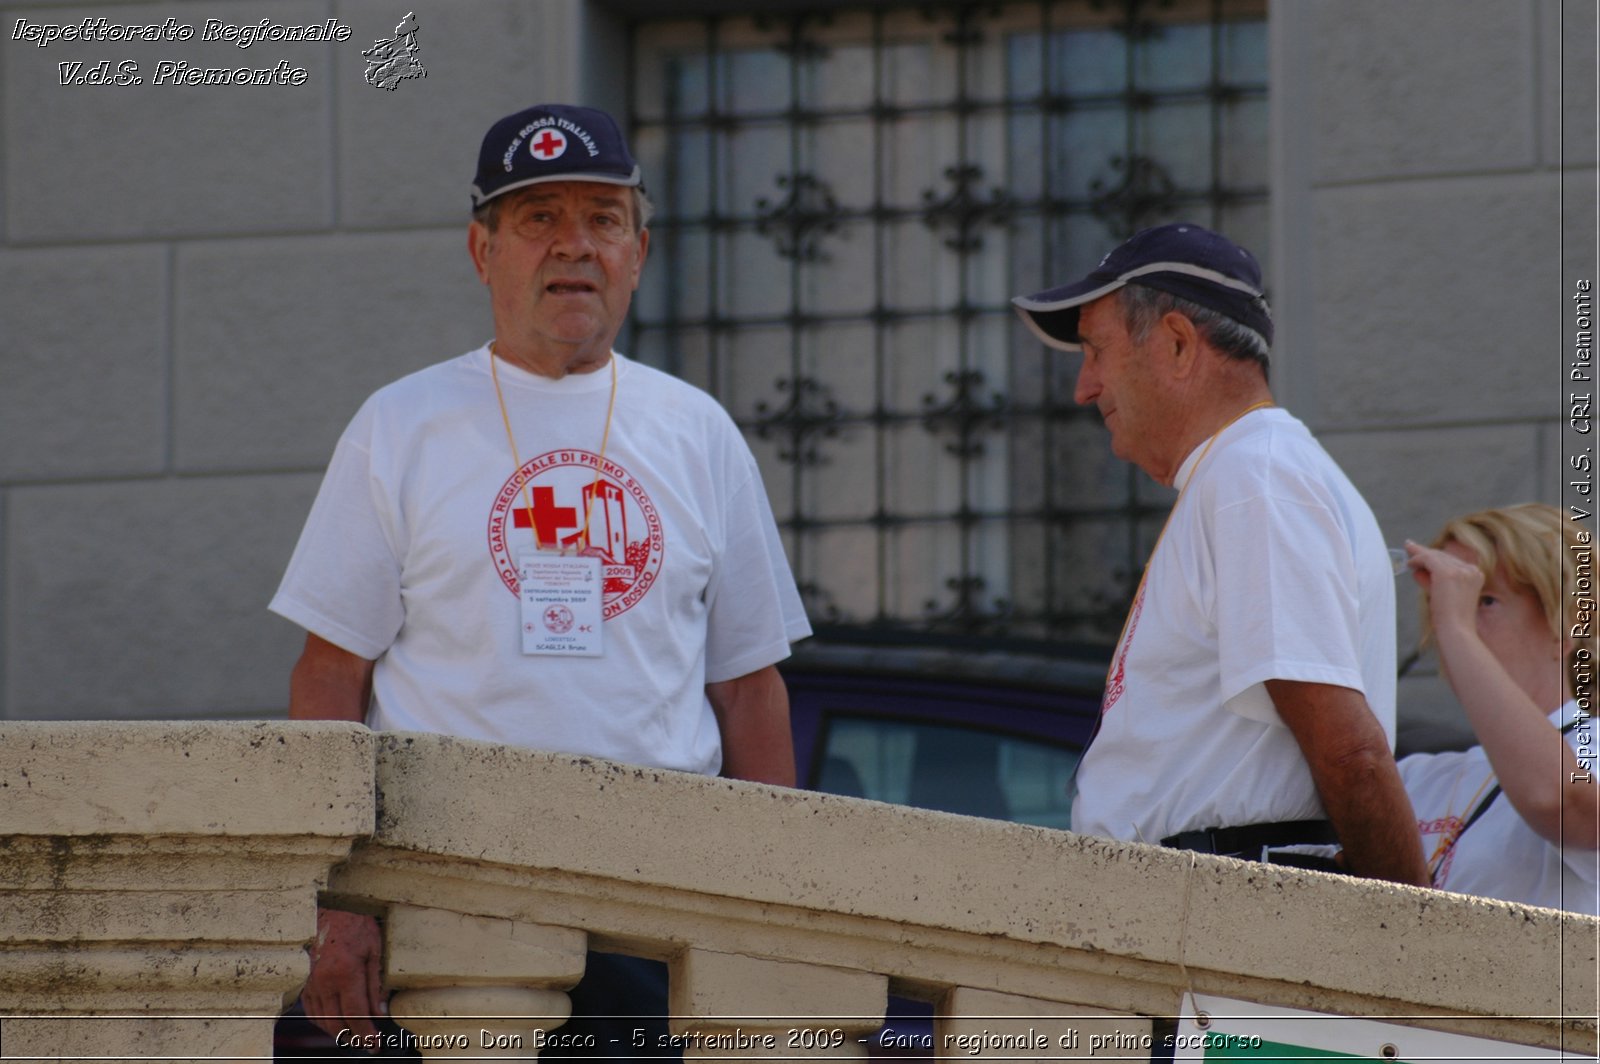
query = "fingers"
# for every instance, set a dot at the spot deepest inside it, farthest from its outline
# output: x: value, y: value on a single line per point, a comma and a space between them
x: 1435, y: 562
x: 356, y: 1012
x: 1429, y: 558
x: 1440, y: 564
x: 334, y: 1018
x: 1452, y: 584
x: 1419, y: 570
x: 378, y: 999
x: 344, y: 990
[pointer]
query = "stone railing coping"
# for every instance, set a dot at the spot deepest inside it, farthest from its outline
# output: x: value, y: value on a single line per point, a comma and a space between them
x: 791, y: 849
x: 163, y: 878
x: 221, y: 778
x: 665, y: 861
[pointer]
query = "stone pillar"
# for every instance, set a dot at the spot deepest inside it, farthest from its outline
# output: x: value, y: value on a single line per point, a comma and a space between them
x: 730, y: 1007
x: 976, y: 1024
x: 159, y: 882
x: 474, y: 986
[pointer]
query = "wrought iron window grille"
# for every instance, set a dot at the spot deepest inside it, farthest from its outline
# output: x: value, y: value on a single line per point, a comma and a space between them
x: 847, y: 200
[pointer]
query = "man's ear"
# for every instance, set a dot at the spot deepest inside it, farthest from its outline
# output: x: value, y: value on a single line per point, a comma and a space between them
x: 478, y: 238
x: 644, y: 250
x: 1185, y: 341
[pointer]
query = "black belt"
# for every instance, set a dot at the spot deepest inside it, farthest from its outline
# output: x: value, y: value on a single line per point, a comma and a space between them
x: 1250, y: 840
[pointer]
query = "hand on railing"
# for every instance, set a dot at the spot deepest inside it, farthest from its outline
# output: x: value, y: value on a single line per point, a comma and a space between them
x: 344, y: 992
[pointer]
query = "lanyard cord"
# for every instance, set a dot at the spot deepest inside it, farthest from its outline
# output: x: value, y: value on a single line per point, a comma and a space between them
x: 605, y: 437
x: 1145, y: 575
x: 1447, y: 842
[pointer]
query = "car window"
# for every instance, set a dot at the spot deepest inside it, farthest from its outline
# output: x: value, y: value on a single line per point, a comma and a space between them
x: 949, y: 767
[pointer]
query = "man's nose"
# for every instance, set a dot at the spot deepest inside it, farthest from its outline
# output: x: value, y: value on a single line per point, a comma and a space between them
x: 1087, y: 389
x: 573, y: 239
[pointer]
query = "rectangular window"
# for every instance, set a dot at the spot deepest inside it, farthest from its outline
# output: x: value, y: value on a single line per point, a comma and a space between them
x: 847, y: 201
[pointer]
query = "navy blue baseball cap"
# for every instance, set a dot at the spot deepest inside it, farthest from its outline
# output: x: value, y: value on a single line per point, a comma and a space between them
x: 552, y: 142
x: 1182, y: 259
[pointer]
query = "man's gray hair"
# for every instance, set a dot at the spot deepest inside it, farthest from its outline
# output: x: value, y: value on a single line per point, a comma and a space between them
x: 1143, y: 306
x: 642, y: 207
x: 488, y: 215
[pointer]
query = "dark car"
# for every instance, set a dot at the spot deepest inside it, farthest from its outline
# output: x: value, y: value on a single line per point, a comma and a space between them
x: 993, y: 734
x: 984, y: 733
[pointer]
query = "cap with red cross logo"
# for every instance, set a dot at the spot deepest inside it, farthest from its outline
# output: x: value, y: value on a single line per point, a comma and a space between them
x: 548, y: 145
x: 552, y: 142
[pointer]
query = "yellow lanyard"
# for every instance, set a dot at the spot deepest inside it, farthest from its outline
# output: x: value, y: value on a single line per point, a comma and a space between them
x: 1145, y: 575
x: 605, y: 437
x: 1447, y: 840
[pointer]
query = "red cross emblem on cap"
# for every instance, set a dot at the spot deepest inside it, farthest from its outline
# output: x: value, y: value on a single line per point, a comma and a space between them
x: 549, y: 144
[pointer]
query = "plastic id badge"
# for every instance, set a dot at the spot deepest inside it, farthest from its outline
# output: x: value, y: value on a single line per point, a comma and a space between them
x: 562, y: 597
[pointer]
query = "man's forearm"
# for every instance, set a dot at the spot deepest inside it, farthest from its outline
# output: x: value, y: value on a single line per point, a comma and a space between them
x: 1356, y: 778
x: 753, y: 716
x: 1369, y: 808
x: 329, y: 683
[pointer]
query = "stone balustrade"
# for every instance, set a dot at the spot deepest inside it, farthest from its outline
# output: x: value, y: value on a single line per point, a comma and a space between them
x: 158, y: 882
x: 164, y: 870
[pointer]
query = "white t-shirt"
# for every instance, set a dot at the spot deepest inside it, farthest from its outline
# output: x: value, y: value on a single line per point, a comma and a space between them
x: 1271, y: 567
x: 1500, y: 856
x: 408, y: 557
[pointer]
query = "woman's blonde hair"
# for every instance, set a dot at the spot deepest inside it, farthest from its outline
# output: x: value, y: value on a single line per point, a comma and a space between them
x: 1546, y: 552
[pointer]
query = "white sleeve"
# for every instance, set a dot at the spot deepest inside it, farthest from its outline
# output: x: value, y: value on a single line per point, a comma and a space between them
x: 1287, y: 606
x: 753, y: 609
x: 343, y: 581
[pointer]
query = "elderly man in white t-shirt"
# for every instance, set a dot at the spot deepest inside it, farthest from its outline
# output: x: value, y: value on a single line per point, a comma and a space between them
x: 1249, y: 710
x: 541, y: 542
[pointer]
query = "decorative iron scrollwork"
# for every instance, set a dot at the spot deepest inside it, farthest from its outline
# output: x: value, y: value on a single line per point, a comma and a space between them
x: 966, y: 413
x: 1144, y: 194
x: 965, y: 209
x: 819, y: 603
x: 966, y: 32
x: 968, y: 613
x: 807, y: 413
x: 1135, y: 24
x: 807, y: 214
x: 798, y: 45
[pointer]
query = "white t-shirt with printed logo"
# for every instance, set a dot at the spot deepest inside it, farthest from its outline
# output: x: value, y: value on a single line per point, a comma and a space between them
x: 1499, y: 856
x: 409, y: 558
x: 1272, y: 567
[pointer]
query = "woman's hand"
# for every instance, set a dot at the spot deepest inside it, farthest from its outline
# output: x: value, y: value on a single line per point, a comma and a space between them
x: 1500, y: 680
x: 1453, y: 587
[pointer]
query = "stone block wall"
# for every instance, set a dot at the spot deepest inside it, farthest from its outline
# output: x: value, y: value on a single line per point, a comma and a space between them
x: 199, y: 284
x: 1434, y: 205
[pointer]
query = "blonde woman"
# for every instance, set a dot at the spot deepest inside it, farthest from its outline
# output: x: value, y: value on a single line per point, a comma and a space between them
x: 1516, y: 816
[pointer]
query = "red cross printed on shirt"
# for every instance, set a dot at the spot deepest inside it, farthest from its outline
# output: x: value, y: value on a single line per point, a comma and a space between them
x: 546, y: 518
x: 548, y: 145
x: 611, y: 518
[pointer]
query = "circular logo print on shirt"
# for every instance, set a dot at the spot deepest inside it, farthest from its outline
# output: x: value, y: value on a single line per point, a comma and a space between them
x: 548, y: 145
x: 624, y: 529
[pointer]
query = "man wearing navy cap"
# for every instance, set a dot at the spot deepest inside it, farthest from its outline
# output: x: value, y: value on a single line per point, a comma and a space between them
x: 1250, y: 705
x: 542, y: 543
